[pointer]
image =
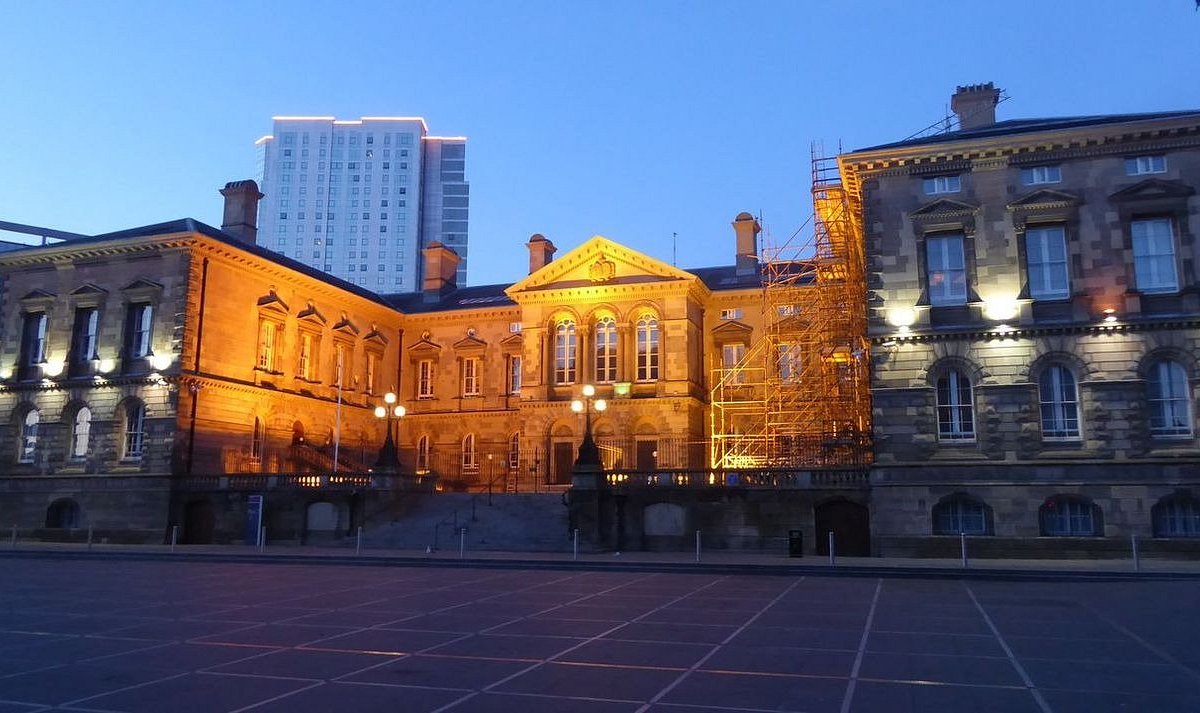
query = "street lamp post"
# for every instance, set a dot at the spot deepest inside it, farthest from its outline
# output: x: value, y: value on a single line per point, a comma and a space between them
x: 589, y: 453
x: 389, y: 459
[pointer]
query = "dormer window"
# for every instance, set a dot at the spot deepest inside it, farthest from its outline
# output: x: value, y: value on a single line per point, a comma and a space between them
x: 1143, y: 165
x: 1040, y: 175
x: 942, y: 184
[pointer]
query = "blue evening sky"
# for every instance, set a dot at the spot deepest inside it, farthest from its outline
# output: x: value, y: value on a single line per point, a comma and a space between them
x: 633, y: 120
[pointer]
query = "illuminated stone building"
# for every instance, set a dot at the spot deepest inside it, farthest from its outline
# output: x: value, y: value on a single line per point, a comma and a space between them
x: 1034, y: 325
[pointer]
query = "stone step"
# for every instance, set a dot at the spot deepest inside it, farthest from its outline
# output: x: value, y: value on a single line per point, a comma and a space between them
x: 516, y: 522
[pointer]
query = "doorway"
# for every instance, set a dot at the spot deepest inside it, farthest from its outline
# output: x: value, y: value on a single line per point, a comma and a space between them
x: 198, y: 523
x: 850, y: 524
x: 564, y: 462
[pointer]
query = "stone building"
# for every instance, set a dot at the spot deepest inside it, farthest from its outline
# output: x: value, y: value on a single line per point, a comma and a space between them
x: 1034, y: 325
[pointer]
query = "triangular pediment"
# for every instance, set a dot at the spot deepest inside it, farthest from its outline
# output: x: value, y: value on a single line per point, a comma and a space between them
x: 38, y: 295
x: 731, y: 329
x: 1045, y: 198
x: 944, y: 208
x: 375, y: 336
x: 89, y: 290
x: 470, y: 343
x: 345, y: 326
x: 600, y: 262
x: 272, y: 301
x: 1152, y: 188
x: 516, y: 340
x: 312, y: 314
x: 142, y: 285
x: 425, y: 346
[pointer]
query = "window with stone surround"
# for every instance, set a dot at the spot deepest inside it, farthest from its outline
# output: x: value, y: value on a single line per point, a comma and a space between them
x: 33, y: 345
x: 470, y: 458
x: 425, y: 379
x: 1059, y: 401
x: 133, y: 431
x: 565, y: 347
x: 1176, y: 515
x: 470, y: 377
x: 514, y: 451
x: 647, y: 348
x: 257, y: 436
x: 946, y: 270
x: 423, y: 454
x: 955, y: 407
x: 1154, y: 265
x: 1169, y: 399
x: 1046, y: 262
x: 81, y: 433
x: 961, y: 514
x: 1069, y: 516
x: 27, y: 442
x: 606, y: 350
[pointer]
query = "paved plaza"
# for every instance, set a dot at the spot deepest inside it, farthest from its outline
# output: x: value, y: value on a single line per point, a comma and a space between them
x: 186, y: 636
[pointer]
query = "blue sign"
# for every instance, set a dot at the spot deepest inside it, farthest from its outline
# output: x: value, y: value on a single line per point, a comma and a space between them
x: 254, y: 512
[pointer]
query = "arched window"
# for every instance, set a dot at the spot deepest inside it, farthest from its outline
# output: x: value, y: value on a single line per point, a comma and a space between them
x: 1176, y: 515
x: 470, y: 460
x: 256, y: 442
x: 647, y: 349
x: 423, y: 454
x: 606, y: 350
x: 1060, y: 404
x: 957, y: 514
x: 27, y: 450
x: 514, y: 450
x: 81, y: 432
x: 564, y: 352
x: 1069, y: 516
x: 133, y: 442
x: 1170, y: 401
x: 63, y: 514
x: 955, y: 407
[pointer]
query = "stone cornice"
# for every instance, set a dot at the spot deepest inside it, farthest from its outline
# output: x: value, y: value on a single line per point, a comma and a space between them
x: 1034, y: 331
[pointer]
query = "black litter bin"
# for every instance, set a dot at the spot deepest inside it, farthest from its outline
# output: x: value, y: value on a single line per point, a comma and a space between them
x: 795, y: 543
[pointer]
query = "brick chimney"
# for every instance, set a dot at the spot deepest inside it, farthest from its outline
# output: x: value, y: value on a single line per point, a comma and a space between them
x: 441, y: 271
x: 975, y: 105
x: 541, y: 252
x: 746, y: 230
x: 241, y: 210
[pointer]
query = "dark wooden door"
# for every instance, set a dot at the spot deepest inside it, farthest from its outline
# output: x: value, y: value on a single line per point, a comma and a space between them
x: 851, y: 527
x: 564, y: 462
x: 646, y: 459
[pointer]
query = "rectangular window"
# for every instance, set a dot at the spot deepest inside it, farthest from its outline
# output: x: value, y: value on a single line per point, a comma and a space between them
x: 514, y: 327
x: 1142, y: 165
x: 1039, y: 175
x: 470, y: 377
x: 947, y: 272
x: 514, y: 375
x: 790, y: 365
x: 304, y: 367
x: 1154, y: 255
x: 731, y: 358
x: 942, y: 184
x: 140, y: 318
x: 735, y: 313
x: 267, y: 334
x: 1046, y: 260
x: 135, y: 417
x: 87, y: 329
x: 425, y: 379
x: 372, y: 368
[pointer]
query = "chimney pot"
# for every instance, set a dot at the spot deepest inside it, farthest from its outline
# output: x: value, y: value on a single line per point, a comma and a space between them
x: 441, y: 271
x: 241, y: 210
x: 746, y: 230
x: 975, y: 105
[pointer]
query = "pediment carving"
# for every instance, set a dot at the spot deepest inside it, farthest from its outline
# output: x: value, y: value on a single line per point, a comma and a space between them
x: 271, y: 301
x: 1153, y: 189
x: 599, y: 261
x: 1045, y: 199
x: 311, y: 314
x: 944, y: 208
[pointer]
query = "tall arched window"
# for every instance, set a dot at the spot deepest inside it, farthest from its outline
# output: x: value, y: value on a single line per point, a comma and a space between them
x: 133, y: 442
x: 564, y: 352
x: 81, y: 432
x: 1176, y: 515
x: 1060, y: 404
x: 955, y: 408
x: 647, y: 349
x: 256, y: 442
x: 514, y: 450
x: 606, y: 350
x: 27, y: 452
x: 1169, y: 400
x: 1069, y: 516
x: 470, y: 460
x: 423, y: 454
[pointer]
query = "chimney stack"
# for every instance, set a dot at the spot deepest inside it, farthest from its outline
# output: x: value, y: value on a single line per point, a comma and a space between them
x: 746, y: 229
x: 441, y: 271
x: 241, y: 210
x: 975, y: 105
x: 541, y: 252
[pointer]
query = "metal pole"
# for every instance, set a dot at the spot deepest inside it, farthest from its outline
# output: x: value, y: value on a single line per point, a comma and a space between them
x: 89, y: 537
x: 358, y: 541
x: 962, y: 546
x: 697, y: 545
x: 174, y: 536
x: 13, y: 544
x: 462, y: 542
x: 575, y: 546
x: 832, y: 555
x: 262, y: 539
x: 1137, y: 559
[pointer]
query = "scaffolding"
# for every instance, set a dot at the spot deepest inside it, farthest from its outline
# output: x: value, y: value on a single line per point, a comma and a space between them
x: 799, y: 396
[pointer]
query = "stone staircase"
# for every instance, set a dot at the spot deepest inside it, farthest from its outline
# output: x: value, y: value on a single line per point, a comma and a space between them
x: 517, y: 522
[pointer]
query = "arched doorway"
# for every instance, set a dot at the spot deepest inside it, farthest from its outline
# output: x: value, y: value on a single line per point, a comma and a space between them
x: 562, y: 454
x: 199, y: 522
x: 63, y: 514
x: 850, y: 524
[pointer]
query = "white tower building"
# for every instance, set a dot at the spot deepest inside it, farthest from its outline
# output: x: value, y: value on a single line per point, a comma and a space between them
x: 359, y: 199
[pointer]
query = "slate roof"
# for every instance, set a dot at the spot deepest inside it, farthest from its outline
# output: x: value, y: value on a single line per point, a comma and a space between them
x: 1014, y: 127
x: 472, y: 297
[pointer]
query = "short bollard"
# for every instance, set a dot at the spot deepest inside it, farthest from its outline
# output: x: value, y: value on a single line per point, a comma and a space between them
x: 1137, y: 558
x: 832, y: 551
x: 697, y: 545
x: 962, y: 546
x: 575, y: 545
x: 13, y: 543
x: 262, y: 539
x: 358, y: 541
x: 89, y: 537
x: 174, y: 536
x: 462, y: 543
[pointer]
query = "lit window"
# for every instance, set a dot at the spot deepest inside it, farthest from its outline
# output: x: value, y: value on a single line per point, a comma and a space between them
x: 1142, y: 165
x: 1154, y: 255
x: 425, y: 379
x: 1059, y: 403
x: 29, y: 436
x: 955, y: 408
x: 606, y: 350
x: 1170, y: 401
x: 1038, y: 175
x: 647, y: 349
x: 1046, y: 259
x: 81, y: 432
x: 942, y: 184
x: 947, y: 272
x: 564, y: 352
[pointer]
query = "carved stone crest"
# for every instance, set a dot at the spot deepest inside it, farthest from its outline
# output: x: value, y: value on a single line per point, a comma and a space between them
x: 602, y: 270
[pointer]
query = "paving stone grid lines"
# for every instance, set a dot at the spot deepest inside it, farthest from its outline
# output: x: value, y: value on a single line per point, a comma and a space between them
x: 146, y: 637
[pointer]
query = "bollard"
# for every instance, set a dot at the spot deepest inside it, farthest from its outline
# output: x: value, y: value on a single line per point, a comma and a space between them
x: 462, y: 543
x: 13, y: 544
x: 832, y: 555
x: 174, y: 536
x: 89, y: 537
x: 358, y: 541
x: 1137, y: 559
x: 697, y: 545
x: 575, y: 545
x: 962, y: 547
x: 262, y: 539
